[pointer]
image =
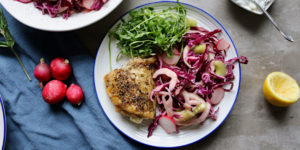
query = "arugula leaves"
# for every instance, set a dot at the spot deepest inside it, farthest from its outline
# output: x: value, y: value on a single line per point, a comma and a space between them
x: 9, y: 41
x: 148, y: 32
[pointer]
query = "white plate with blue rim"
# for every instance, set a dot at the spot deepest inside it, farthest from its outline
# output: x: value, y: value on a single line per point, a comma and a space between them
x: 2, y: 125
x: 33, y: 17
x: 160, y: 138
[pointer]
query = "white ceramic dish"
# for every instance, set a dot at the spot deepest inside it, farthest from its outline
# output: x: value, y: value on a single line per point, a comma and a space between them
x: 2, y: 125
x: 250, y: 6
x: 159, y: 138
x: 33, y: 17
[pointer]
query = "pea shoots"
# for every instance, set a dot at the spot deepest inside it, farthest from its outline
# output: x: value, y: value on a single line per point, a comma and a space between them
x: 148, y: 32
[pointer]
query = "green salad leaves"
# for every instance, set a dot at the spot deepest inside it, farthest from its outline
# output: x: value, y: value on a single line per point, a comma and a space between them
x: 148, y: 32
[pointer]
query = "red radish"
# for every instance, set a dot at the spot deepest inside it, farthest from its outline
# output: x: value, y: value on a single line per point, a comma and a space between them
x: 42, y: 71
x: 60, y: 68
x: 170, y: 61
x: 88, y: 4
x: 168, y: 124
x: 54, y: 92
x: 25, y: 1
x: 222, y: 45
x: 173, y: 60
x: 217, y: 96
x: 75, y: 94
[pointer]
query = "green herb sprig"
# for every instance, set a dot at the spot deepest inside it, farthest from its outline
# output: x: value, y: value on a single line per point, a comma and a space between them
x: 9, y: 41
x: 148, y: 32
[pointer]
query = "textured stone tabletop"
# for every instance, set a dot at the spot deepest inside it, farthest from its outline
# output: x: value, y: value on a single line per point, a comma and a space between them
x: 253, y: 123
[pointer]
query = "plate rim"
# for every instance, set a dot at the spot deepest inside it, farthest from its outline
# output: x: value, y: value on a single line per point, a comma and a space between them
x: 223, y: 28
x: 62, y: 30
x: 4, y: 122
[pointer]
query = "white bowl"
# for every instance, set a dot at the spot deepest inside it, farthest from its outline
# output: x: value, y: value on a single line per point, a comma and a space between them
x: 33, y: 17
x: 159, y: 138
x: 2, y: 125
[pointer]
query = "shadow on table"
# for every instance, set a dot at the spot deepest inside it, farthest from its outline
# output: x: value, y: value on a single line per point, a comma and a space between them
x: 248, y: 20
x: 280, y: 114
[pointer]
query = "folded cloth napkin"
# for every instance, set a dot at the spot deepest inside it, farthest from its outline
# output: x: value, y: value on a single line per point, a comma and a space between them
x: 34, y: 124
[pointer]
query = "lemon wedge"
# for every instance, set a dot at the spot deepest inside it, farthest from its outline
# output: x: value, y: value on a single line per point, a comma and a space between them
x: 281, y: 89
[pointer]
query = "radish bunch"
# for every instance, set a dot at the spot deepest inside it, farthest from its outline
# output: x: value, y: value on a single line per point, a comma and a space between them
x: 56, y: 90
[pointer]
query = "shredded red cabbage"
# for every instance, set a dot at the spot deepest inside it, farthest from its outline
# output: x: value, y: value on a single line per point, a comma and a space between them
x: 196, y: 78
x: 65, y: 8
x: 153, y: 125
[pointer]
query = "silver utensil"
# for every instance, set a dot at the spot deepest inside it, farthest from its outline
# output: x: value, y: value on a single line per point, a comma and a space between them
x: 284, y: 34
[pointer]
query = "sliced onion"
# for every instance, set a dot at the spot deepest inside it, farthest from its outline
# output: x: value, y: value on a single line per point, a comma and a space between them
x: 191, y: 99
x: 62, y: 9
x: 195, y: 102
x: 198, y: 120
x: 185, y: 55
x: 178, y: 90
x: 168, y: 104
x: 195, y: 97
x: 191, y: 96
x: 157, y: 89
x: 169, y: 73
x: 211, y: 56
x: 203, y: 115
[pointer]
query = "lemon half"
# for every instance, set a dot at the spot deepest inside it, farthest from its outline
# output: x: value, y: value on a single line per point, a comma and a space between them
x: 281, y: 89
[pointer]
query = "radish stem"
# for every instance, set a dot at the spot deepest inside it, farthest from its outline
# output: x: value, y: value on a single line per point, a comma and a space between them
x: 21, y: 63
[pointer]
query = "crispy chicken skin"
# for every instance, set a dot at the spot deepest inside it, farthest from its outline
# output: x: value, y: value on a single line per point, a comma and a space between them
x: 129, y: 89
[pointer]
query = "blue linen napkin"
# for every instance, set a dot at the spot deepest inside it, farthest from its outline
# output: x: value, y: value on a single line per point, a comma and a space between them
x: 34, y: 124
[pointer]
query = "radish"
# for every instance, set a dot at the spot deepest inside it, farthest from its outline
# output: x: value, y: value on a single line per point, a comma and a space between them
x: 60, y: 68
x: 75, y: 94
x: 217, y: 96
x: 222, y: 45
x: 42, y: 71
x: 88, y: 4
x: 54, y: 92
x: 170, y: 61
x: 168, y: 124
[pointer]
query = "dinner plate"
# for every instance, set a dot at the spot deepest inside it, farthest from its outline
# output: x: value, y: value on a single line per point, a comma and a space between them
x: 33, y: 17
x: 160, y: 138
x: 2, y: 125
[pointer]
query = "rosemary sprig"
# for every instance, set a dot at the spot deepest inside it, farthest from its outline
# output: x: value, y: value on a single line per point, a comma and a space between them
x: 9, y: 41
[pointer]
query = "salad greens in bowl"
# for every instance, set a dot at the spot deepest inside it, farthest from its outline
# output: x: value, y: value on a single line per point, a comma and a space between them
x: 59, y: 15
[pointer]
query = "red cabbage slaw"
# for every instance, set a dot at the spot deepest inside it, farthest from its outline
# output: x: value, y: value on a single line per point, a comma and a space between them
x: 65, y: 7
x: 192, y: 81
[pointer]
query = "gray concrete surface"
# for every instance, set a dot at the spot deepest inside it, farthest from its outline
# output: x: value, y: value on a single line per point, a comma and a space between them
x: 253, y: 123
